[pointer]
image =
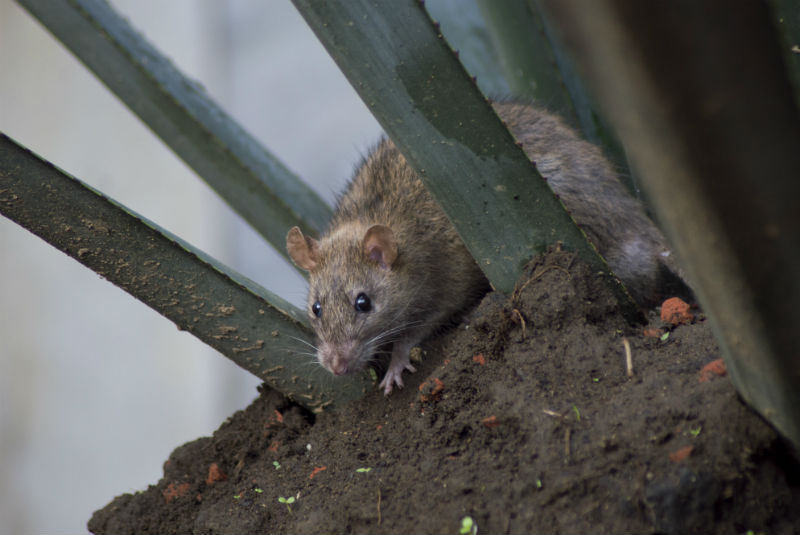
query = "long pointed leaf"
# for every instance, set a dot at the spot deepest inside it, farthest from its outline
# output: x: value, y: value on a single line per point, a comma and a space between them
x: 256, y: 329
x: 250, y: 179
x: 462, y: 24
x: 526, y: 55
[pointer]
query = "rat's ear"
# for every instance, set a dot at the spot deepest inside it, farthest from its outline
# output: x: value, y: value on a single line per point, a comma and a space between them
x: 303, y: 250
x: 380, y: 246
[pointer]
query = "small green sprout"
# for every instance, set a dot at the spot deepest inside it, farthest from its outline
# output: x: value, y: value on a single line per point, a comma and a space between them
x: 237, y: 496
x: 696, y: 432
x: 363, y: 470
x: 577, y: 412
x: 468, y: 526
x: 596, y: 379
x: 373, y: 374
x: 665, y: 336
x: 258, y: 490
x: 538, y: 483
x: 287, y: 502
x: 276, y: 464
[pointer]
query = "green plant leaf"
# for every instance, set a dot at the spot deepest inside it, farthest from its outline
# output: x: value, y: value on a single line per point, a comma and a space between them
x: 526, y: 55
x: 465, y: 29
x: 413, y: 83
x: 256, y: 329
x: 250, y: 179
x: 467, y: 525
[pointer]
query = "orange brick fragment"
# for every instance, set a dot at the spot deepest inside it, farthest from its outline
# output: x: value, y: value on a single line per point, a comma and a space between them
x: 275, y: 419
x: 715, y: 367
x: 679, y: 455
x: 676, y: 311
x: 490, y: 421
x: 479, y: 358
x: 215, y: 474
x: 653, y: 333
x: 316, y: 471
x: 175, y: 491
x: 274, y: 445
x: 431, y: 389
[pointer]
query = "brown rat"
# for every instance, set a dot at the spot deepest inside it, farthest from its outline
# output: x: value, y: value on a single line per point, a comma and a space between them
x: 391, y: 268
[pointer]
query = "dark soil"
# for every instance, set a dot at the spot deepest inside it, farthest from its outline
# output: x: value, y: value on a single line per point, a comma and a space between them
x: 523, y: 418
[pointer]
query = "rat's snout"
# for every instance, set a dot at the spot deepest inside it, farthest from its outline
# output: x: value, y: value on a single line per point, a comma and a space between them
x: 338, y: 367
x: 338, y: 357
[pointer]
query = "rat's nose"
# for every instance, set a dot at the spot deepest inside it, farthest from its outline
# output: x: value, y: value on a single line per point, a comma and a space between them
x: 338, y: 367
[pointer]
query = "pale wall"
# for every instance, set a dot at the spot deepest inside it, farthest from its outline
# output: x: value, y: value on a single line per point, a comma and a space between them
x: 96, y: 389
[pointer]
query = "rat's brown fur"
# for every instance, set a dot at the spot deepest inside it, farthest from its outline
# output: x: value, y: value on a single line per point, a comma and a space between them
x: 389, y: 240
x: 585, y: 181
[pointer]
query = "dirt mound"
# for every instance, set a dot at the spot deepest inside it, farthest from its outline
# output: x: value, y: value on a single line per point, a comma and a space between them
x: 522, y: 418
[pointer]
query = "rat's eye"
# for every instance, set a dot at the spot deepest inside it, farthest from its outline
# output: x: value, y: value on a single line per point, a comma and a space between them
x: 316, y: 308
x: 363, y: 303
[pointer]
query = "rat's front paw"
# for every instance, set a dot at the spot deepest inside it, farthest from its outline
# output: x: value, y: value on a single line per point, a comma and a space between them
x: 394, y: 375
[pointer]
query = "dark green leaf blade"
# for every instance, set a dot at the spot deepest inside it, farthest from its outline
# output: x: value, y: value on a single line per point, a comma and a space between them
x: 250, y: 179
x: 256, y: 329
x: 526, y: 55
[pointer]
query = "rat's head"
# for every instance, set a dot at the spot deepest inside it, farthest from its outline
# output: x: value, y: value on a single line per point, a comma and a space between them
x: 352, y: 278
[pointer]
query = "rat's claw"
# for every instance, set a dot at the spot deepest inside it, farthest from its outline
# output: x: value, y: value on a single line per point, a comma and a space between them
x: 392, y: 377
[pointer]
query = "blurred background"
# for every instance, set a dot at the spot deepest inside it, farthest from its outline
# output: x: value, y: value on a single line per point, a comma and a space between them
x: 96, y: 389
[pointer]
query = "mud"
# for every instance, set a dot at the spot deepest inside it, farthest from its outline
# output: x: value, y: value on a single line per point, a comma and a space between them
x: 523, y: 418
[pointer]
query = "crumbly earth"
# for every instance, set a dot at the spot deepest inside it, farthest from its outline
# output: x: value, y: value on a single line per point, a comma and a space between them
x: 522, y: 418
